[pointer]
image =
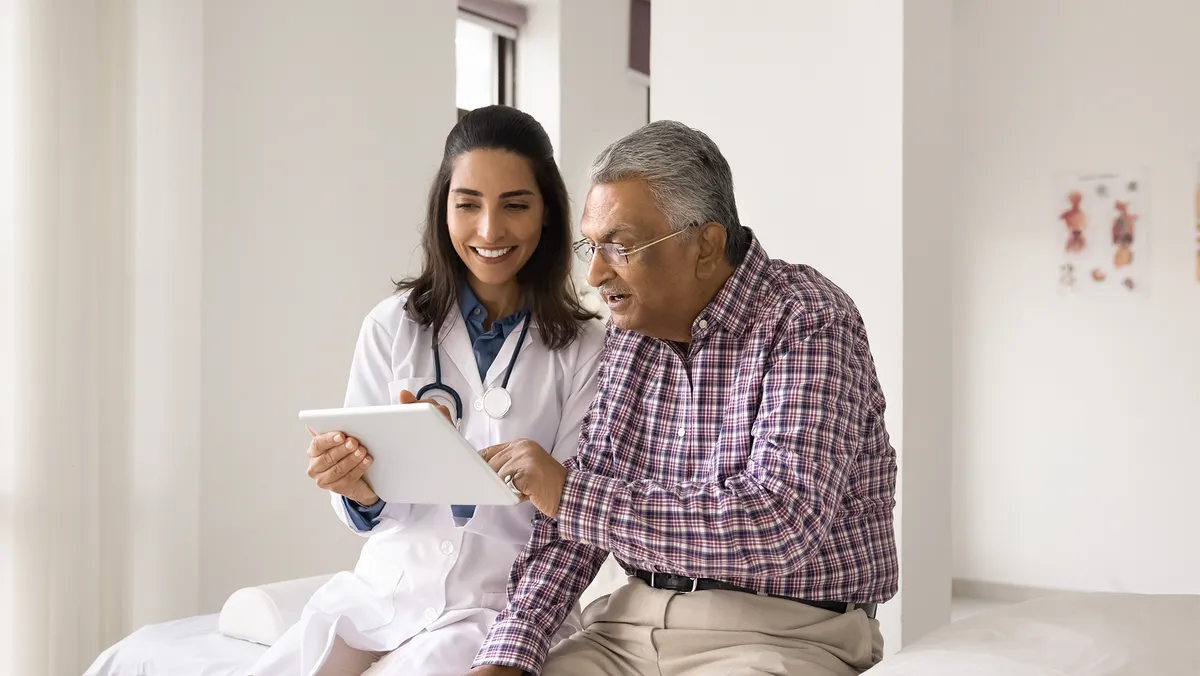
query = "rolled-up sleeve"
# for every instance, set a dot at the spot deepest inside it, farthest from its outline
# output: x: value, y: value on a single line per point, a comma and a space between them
x: 547, y: 581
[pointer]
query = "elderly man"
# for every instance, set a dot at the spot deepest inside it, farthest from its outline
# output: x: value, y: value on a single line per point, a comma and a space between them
x: 734, y: 460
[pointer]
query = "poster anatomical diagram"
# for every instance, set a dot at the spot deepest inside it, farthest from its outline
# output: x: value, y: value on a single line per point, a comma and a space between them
x: 1101, y: 232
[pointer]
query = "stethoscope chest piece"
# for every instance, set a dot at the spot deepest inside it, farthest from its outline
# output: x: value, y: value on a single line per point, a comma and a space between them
x: 497, y: 402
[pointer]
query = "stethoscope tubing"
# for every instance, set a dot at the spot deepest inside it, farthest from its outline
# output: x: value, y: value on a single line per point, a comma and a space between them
x: 438, y: 385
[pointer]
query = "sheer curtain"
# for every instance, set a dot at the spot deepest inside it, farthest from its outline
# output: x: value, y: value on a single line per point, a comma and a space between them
x: 65, y: 317
x: 82, y: 262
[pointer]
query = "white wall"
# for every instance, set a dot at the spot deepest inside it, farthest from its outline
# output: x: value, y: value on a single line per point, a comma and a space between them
x: 925, y: 472
x: 1076, y: 450
x: 810, y: 104
x: 573, y: 76
x: 166, y: 434
x: 601, y: 99
x: 539, y: 81
x: 322, y: 130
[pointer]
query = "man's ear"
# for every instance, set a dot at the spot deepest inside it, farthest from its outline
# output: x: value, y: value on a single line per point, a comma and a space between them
x: 712, y: 249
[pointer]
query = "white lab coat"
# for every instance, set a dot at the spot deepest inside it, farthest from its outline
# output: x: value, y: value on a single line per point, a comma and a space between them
x: 419, y: 575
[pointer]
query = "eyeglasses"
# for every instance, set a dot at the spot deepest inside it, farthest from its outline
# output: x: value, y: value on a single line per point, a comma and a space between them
x: 616, y: 255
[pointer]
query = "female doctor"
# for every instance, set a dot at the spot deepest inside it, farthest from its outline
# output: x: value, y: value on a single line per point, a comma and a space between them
x: 492, y: 331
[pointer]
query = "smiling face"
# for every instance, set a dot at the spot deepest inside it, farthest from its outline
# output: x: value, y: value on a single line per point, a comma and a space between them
x: 494, y: 214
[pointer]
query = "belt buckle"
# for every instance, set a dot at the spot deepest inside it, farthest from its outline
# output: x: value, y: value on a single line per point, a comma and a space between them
x: 695, y: 583
x: 868, y: 608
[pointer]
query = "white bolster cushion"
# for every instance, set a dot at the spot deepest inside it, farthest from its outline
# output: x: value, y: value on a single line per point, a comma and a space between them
x: 261, y: 614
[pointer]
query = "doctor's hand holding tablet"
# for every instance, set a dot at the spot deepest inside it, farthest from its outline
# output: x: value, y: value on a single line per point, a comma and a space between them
x: 339, y: 463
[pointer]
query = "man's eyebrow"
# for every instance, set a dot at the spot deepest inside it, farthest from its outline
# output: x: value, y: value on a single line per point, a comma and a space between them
x: 614, y: 230
x: 503, y: 195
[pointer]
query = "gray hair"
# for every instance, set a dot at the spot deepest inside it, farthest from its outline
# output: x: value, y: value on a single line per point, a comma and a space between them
x: 686, y: 173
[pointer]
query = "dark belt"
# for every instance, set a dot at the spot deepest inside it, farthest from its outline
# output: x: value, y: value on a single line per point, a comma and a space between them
x: 680, y: 583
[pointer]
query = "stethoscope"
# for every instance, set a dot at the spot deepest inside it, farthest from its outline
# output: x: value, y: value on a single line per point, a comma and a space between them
x: 496, y: 401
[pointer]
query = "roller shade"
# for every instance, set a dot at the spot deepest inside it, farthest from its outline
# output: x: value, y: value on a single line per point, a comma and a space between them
x: 639, y: 36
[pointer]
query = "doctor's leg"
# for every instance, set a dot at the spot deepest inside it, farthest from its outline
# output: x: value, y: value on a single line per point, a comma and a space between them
x: 346, y: 661
x: 284, y: 657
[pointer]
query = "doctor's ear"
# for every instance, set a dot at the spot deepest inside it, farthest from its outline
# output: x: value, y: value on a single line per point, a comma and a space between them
x: 711, y: 241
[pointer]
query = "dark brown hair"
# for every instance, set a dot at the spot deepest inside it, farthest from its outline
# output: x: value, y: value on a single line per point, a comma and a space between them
x: 545, y: 279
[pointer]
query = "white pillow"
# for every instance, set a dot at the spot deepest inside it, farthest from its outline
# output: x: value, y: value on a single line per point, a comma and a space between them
x: 261, y: 614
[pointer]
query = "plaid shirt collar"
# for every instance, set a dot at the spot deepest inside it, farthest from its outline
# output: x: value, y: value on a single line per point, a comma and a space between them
x: 732, y: 306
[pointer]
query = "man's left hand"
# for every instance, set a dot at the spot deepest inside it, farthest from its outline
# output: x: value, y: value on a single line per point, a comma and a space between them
x: 534, y: 472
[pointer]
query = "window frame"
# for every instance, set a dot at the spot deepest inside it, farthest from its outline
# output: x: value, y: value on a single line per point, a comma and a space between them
x: 504, y: 74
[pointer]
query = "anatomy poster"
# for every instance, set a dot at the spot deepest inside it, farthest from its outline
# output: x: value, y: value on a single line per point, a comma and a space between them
x: 1101, y: 232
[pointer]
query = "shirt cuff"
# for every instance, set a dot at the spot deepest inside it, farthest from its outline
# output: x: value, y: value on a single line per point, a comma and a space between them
x: 585, y: 510
x: 513, y: 643
x: 363, y: 518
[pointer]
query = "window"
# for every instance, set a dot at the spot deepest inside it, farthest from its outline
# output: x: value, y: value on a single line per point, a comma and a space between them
x: 484, y: 62
x: 639, y: 45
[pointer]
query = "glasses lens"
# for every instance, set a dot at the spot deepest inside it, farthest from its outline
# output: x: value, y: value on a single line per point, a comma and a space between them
x: 584, y: 252
x: 614, y: 254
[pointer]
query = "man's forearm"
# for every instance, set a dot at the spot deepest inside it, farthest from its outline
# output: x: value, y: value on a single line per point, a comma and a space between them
x: 547, y: 582
x: 737, y: 528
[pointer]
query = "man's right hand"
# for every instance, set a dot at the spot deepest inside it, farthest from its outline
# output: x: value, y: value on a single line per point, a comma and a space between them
x: 496, y: 670
x: 338, y: 463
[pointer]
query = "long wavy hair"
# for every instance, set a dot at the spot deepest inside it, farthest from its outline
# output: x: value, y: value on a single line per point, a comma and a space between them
x: 545, y: 279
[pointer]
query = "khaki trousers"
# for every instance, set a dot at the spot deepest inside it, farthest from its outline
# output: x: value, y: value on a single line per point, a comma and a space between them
x: 641, y: 631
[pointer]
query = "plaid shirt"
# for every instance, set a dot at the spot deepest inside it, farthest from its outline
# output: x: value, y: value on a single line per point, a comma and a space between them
x: 756, y: 455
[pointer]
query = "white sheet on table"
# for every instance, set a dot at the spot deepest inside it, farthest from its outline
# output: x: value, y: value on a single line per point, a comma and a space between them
x: 1063, y: 635
x: 187, y: 647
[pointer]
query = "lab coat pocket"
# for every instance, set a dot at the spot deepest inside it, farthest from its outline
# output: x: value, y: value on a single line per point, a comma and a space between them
x: 365, y: 596
x: 496, y: 601
x: 373, y: 604
x: 511, y: 525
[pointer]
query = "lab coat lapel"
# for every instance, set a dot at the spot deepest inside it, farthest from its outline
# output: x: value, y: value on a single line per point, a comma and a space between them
x: 456, y: 343
x: 495, y: 374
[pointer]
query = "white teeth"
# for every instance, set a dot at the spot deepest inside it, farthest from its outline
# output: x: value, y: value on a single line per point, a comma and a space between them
x: 492, y: 253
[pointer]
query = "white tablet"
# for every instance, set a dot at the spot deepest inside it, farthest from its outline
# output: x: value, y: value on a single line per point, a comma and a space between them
x: 418, y: 455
